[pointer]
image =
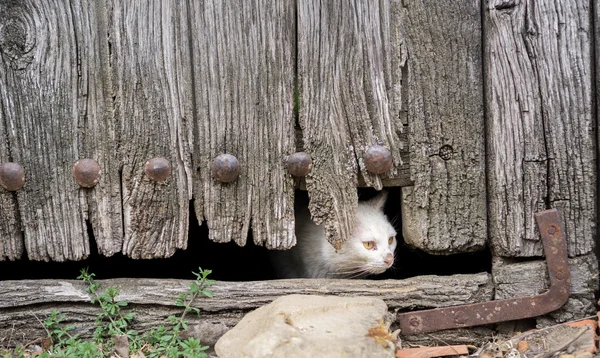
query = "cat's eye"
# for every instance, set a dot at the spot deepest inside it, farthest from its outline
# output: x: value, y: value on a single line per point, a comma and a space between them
x: 369, y: 245
x: 390, y: 240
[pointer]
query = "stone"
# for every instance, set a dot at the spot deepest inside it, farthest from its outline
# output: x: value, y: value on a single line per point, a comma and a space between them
x: 311, y: 326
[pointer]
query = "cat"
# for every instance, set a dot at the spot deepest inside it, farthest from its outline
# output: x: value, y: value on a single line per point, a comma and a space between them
x: 369, y: 250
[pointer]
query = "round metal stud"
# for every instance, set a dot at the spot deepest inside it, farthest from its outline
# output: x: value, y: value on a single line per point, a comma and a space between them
x: 446, y: 152
x: 157, y: 169
x: 299, y: 164
x: 378, y: 159
x: 225, y: 168
x: 86, y: 172
x: 12, y: 176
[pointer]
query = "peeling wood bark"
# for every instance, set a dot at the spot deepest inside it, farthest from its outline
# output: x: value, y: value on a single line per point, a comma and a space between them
x: 150, y: 63
x: 154, y: 300
x: 445, y: 211
x: 243, y: 58
x: 541, y: 141
x: 40, y: 105
x: 530, y: 278
x: 349, y: 68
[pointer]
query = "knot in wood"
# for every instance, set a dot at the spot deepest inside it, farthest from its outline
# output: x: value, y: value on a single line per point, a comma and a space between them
x: 17, y: 41
x: 299, y: 164
x: 446, y: 152
x: 86, y: 172
x: 378, y: 159
x: 157, y: 169
x: 12, y: 176
x: 225, y: 168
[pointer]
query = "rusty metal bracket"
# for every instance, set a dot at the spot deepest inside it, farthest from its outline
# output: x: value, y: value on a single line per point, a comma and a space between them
x: 555, y: 248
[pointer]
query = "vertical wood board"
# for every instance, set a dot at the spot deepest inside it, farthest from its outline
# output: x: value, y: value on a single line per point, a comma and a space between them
x: 349, y: 59
x: 243, y: 62
x: 97, y: 134
x: 541, y: 135
x: 39, y: 82
x: 445, y: 211
x: 11, y: 49
x: 151, y: 76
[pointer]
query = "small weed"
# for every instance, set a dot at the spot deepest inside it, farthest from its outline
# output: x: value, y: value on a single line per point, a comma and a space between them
x: 112, y: 321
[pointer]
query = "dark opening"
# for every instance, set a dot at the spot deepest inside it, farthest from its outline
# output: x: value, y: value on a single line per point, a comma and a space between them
x: 230, y: 262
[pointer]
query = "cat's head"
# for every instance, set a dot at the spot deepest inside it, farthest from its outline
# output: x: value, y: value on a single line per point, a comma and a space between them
x: 373, y: 242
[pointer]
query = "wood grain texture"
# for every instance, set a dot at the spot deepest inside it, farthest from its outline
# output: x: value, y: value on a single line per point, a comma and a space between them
x: 11, y: 237
x: 150, y: 63
x: 243, y: 61
x: 541, y: 139
x: 40, y: 104
x: 349, y: 58
x: 530, y: 278
x: 97, y: 132
x: 154, y: 300
x: 445, y: 210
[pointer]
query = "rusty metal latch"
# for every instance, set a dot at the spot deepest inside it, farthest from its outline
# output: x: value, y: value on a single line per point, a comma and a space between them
x: 555, y: 249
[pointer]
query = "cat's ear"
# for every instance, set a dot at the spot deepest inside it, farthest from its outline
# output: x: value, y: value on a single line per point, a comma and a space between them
x: 379, y: 200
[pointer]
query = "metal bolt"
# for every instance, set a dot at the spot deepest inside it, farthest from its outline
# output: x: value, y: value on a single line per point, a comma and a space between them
x: 12, y: 176
x: 446, y: 152
x: 415, y: 321
x: 460, y: 317
x: 157, y: 169
x: 559, y: 274
x: 86, y: 172
x: 225, y: 168
x: 552, y: 230
x: 378, y: 159
x: 299, y: 164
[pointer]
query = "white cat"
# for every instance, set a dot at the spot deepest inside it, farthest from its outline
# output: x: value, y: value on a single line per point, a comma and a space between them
x: 369, y: 250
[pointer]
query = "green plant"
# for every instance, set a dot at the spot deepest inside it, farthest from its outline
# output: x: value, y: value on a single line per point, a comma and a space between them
x: 118, y: 323
x: 65, y: 344
x: 168, y: 342
x: 18, y: 352
x: 111, y: 321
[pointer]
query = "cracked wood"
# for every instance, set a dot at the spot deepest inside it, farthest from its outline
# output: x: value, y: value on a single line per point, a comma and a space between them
x: 445, y: 211
x: 243, y: 62
x: 154, y: 300
x: 541, y: 133
x: 349, y: 75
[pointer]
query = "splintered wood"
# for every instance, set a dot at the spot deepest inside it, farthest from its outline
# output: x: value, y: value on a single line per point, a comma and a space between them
x: 349, y: 68
x: 445, y: 211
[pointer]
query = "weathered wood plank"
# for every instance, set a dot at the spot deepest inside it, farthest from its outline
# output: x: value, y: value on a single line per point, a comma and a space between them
x: 531, y: 278
x: 445, y: 210
x: 154, y: 300
x: 151, y: 71
x: 541, y: 134
x: 97, y: 137
x: 11, y: 238
x: 349, y: 58
x: 243, y: 58
x: 40, y: 104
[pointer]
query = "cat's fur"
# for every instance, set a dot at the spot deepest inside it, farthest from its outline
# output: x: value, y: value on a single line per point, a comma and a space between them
x: 314, y: 256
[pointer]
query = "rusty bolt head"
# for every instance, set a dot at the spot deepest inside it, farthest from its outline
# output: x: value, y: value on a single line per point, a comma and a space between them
x: 460, y: 317
x: 552, y: 230
x: 225, y: 168
x: 446, y: 152
x: 378, y: 159
x: 86, y: 172
x: 157, y: 169
x: 12, y: 176
x: 299, y: 164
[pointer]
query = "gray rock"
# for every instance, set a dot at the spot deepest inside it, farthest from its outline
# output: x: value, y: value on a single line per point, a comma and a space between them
x: 311, y: 326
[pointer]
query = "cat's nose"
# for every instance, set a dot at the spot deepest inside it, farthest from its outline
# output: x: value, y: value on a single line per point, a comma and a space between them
x: 389, y: 259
